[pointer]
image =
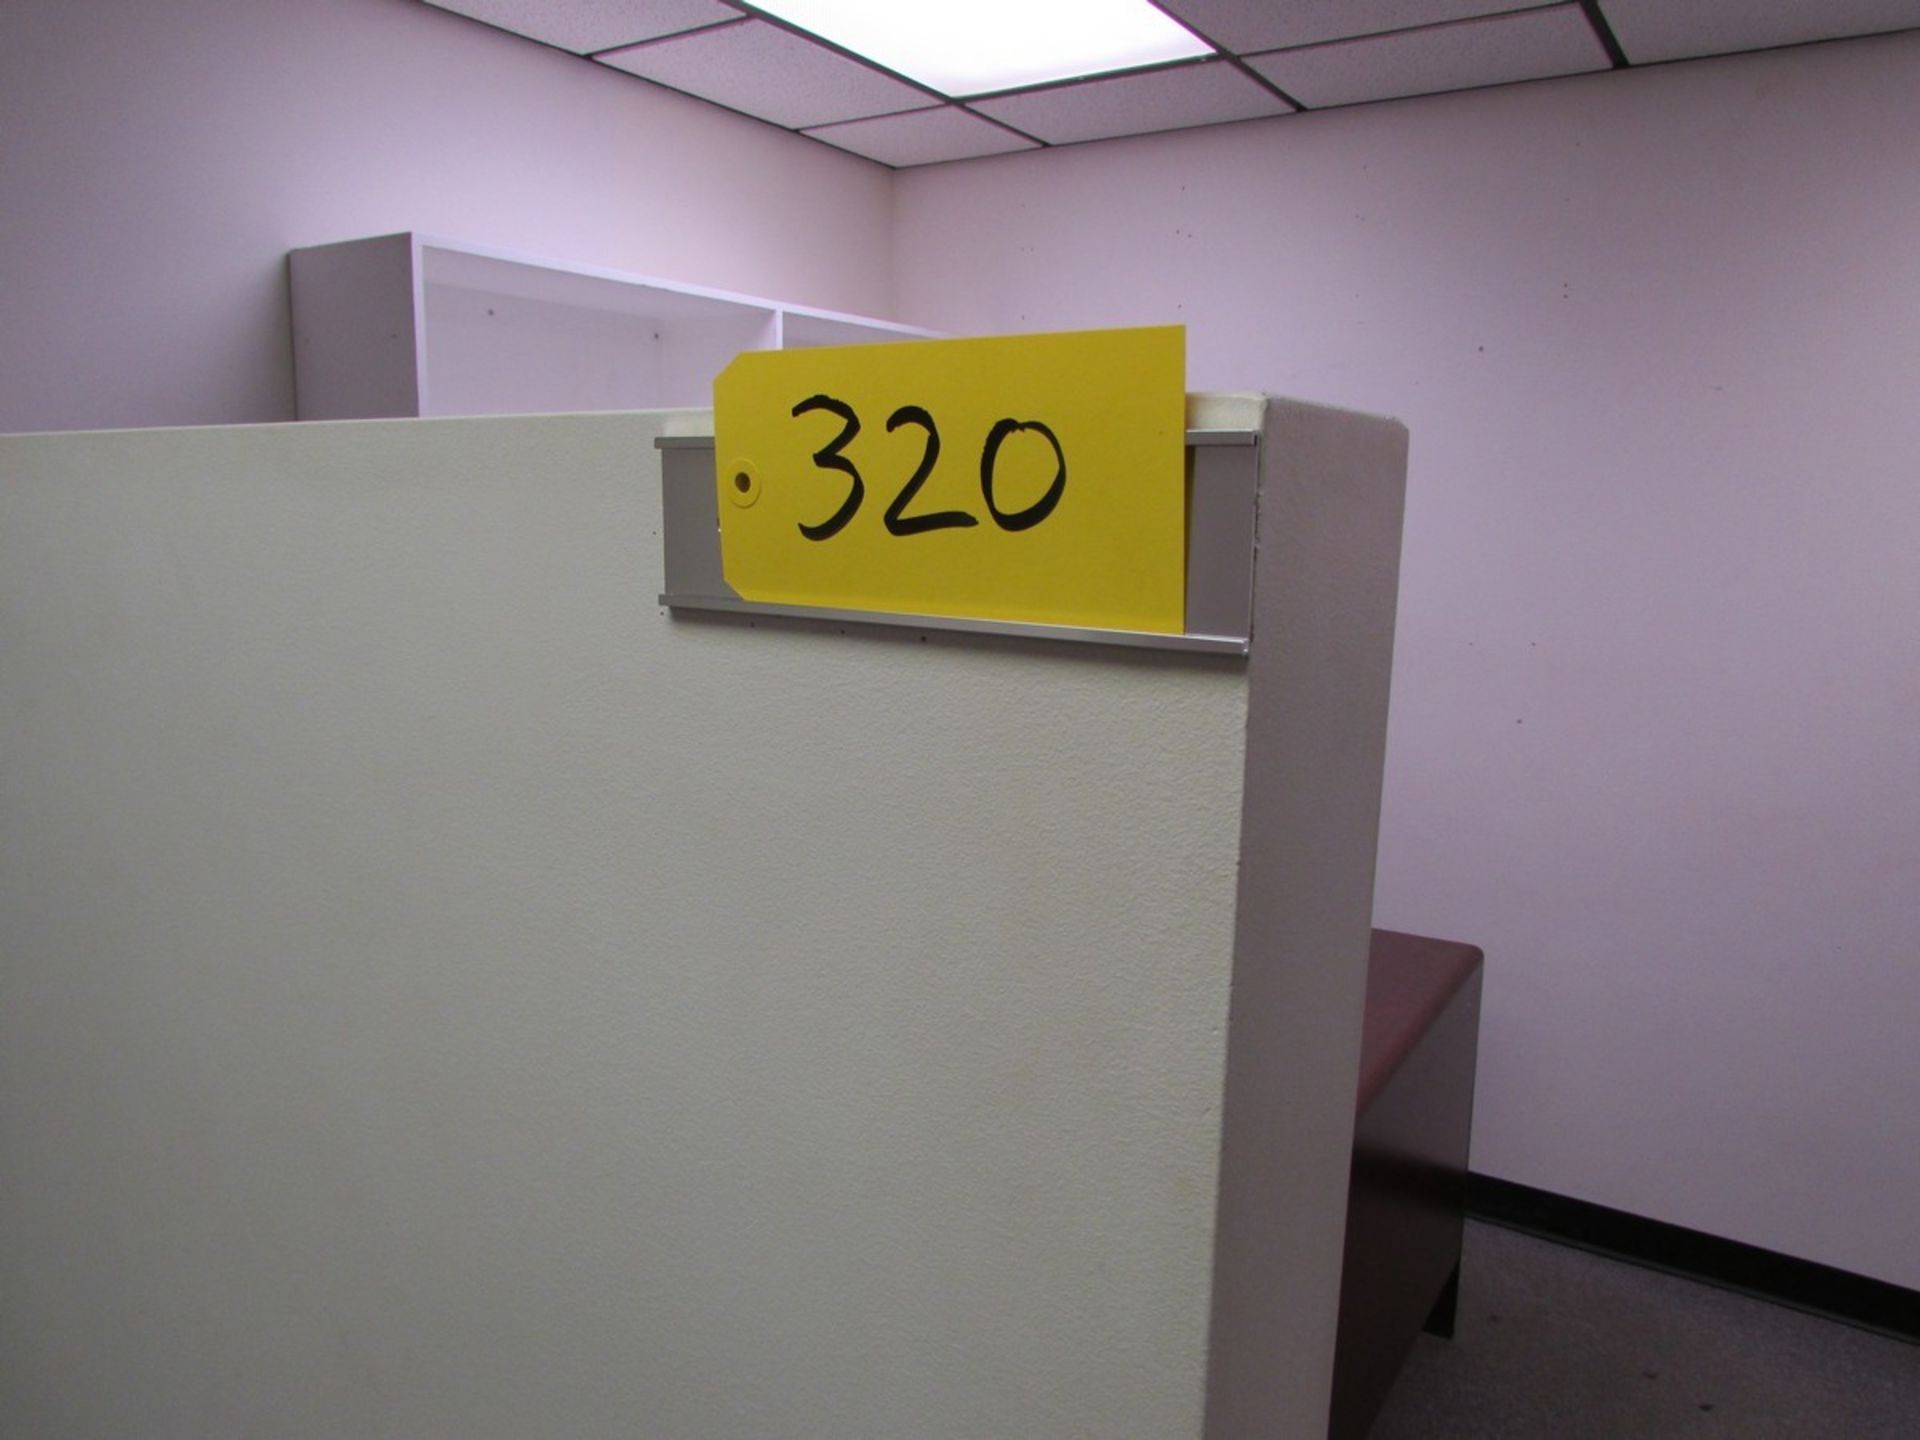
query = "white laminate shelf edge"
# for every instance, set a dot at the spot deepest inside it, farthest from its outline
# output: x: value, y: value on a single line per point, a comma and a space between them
x: 413, y: 324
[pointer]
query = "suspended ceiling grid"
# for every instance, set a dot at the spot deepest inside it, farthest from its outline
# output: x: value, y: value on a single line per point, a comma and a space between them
x: 1271, y: 58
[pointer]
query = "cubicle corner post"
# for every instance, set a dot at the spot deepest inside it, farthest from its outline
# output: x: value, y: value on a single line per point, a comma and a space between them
x: 1332, y: 493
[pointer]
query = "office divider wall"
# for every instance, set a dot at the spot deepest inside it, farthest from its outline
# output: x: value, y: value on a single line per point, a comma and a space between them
x: 446, y: 994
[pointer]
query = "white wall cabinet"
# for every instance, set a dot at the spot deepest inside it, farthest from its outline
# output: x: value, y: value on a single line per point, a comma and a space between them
x: 411, y: 324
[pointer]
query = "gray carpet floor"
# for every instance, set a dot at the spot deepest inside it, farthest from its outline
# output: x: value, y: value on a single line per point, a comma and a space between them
x: 1556, y: 1342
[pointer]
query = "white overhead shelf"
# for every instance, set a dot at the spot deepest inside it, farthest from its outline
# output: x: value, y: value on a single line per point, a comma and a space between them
x: 411, y: 324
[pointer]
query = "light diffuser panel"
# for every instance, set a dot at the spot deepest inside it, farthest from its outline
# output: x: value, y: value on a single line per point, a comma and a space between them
x: 970, y: 47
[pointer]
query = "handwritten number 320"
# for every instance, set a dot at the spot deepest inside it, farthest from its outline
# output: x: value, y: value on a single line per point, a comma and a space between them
x: 898, y: 522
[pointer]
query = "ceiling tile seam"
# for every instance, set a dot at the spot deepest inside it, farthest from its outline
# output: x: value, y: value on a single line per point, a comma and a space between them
x: 823, y: 43
x: 995, y: 120
x: 1603, y: 28
x: 748, y: 114
x: 1846, y: 39
x: 594, y: 54
x: 1152, y: 67
x: 808, y: 130
x: 955, y: 105
x: 1458, y: 22
x: 651, y: 40
x: 1472, y: 87
x: 1180, y: 129
x: 1229, y: 56
x: 1263, y: 82
x: 886, y: 165
x: 554, y: 46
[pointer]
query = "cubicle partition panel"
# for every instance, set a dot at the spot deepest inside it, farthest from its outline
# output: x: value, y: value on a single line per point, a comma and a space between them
x: 445, y: 993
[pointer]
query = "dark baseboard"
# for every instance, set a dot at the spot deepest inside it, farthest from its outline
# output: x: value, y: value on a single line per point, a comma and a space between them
x: 1802, y: 1284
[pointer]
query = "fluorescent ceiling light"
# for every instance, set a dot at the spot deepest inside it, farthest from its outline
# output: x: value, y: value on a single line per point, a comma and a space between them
x: 968, y: 47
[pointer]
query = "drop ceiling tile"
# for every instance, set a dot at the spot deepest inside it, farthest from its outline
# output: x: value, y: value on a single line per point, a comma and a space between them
x: 773, y: 74
x: 1243, y: 26
x: 1209, y: 93
x: 1527, y: 45
x: 583, y: 26
x: 1650, y: 30
x: 922, y: 137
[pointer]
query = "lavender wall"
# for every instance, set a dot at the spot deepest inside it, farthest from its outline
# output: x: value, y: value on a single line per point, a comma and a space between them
x: 1656, y: 720
x: 157, y: 161
x: 1654, y: 739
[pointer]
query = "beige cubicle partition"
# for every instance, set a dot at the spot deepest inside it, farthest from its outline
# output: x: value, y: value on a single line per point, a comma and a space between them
x: 445, y: 994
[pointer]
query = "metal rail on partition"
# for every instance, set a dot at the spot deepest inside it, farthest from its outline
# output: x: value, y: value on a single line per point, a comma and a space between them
x: 1223, y: 472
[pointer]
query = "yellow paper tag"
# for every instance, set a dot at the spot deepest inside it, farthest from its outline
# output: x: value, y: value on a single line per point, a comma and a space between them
x: 1032, y: 477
